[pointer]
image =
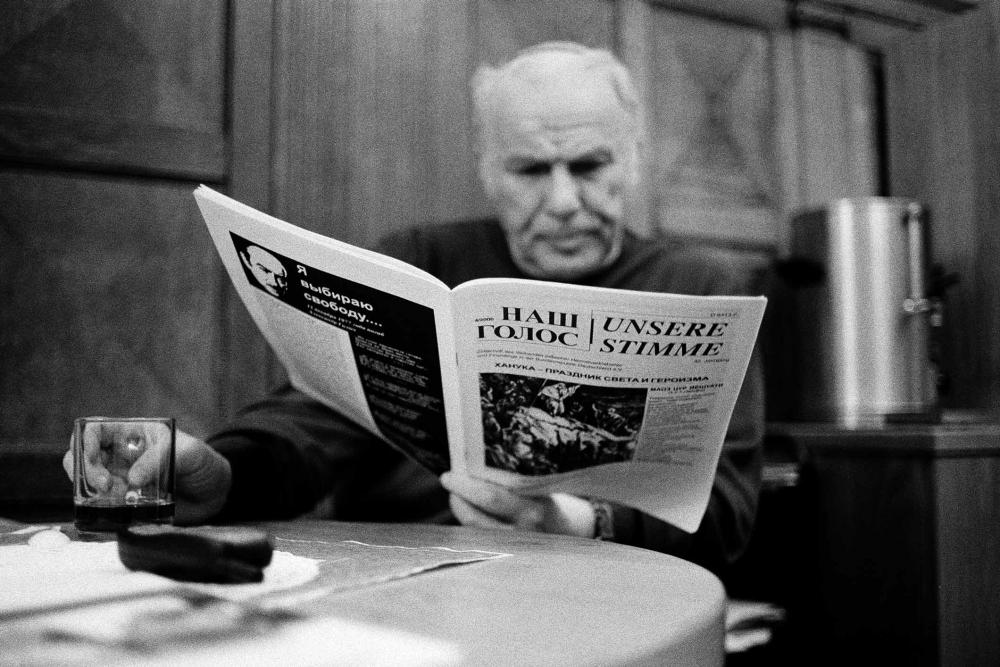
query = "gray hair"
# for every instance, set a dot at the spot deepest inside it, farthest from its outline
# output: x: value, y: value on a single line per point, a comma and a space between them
x: 486, y: 80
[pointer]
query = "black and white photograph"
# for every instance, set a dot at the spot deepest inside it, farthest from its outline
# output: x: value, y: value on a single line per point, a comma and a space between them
x: 328, y: 240
x: 538, y: 426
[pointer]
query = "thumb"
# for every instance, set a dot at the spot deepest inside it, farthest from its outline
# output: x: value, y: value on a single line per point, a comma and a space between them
x: 147, y: 468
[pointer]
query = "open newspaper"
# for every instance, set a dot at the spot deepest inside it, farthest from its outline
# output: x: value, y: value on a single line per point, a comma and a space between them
x: 538, y: 386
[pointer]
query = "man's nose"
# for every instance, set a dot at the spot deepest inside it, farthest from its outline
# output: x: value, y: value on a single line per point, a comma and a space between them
x: 563, y: 196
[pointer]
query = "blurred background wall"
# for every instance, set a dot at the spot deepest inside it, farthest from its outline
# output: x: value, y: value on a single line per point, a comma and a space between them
x: 351, y: 118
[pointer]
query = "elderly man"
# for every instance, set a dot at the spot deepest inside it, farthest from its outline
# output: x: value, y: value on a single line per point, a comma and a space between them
x: 558, y: 152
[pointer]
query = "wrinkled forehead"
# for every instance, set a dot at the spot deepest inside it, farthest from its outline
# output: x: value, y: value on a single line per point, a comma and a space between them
x: 556, y: 94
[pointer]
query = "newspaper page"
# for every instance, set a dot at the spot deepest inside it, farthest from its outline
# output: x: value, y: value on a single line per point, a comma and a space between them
x: 620, y: 395
x: 374, y: 354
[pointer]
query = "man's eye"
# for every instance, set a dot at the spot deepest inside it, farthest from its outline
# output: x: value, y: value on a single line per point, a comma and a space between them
x: 533, y: 169
x: 584, y: 167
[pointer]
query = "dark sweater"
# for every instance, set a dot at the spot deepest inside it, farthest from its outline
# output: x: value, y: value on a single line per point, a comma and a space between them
x: 288, y: 451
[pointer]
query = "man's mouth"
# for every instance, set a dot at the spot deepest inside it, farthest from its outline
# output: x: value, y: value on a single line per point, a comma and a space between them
x: 569, y: 242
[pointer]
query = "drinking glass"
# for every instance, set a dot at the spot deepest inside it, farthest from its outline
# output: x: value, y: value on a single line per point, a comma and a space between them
x: 123, y: 471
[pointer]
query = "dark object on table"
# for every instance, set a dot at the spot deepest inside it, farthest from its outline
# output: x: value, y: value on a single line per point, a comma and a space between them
x: 210, y: 554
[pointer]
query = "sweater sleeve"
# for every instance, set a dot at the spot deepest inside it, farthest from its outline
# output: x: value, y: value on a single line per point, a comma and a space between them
x: 289, y: 451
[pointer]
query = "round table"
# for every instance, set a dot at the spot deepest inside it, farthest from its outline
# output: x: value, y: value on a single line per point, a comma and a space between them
x: 548, y: 600
x: 555, y: 600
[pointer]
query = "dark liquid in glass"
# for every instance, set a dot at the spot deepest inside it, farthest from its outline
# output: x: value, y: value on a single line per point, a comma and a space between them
x: 107, y: 516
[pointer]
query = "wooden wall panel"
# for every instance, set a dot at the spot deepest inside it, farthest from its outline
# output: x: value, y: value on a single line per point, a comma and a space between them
x: 450, y: 179
x: 311, y: 70
x: 747, y: 125
x: 503, y: 27
x: 372, y: 128
x: 712, y: 159
x: 114, y: 85
x: 249, y: 366
x: 943, y: 97
x: 110, y: 304
x: 410, y: 117
x: 838, y: 139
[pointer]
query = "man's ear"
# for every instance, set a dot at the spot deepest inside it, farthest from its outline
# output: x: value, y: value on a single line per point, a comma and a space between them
x: 245, y: 258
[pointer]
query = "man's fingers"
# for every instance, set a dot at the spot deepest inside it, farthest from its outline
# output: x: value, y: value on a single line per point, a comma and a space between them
x: 95, y: 475
x: 494, y: 500
x: 469, y: 515
x: 497, y: 500
x: 151, y: 465
x: 146, y: 449
x: 68, y: 461
x: 91, y: 437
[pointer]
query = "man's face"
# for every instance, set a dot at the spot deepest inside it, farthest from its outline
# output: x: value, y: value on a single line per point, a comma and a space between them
x: 557, y: 162
x: 267, y: 270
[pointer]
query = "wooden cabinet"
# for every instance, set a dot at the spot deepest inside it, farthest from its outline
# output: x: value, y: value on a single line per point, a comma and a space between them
x: 899, y: 540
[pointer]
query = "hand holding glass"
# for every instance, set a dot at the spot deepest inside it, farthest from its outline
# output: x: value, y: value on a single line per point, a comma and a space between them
x: 123, y: 471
